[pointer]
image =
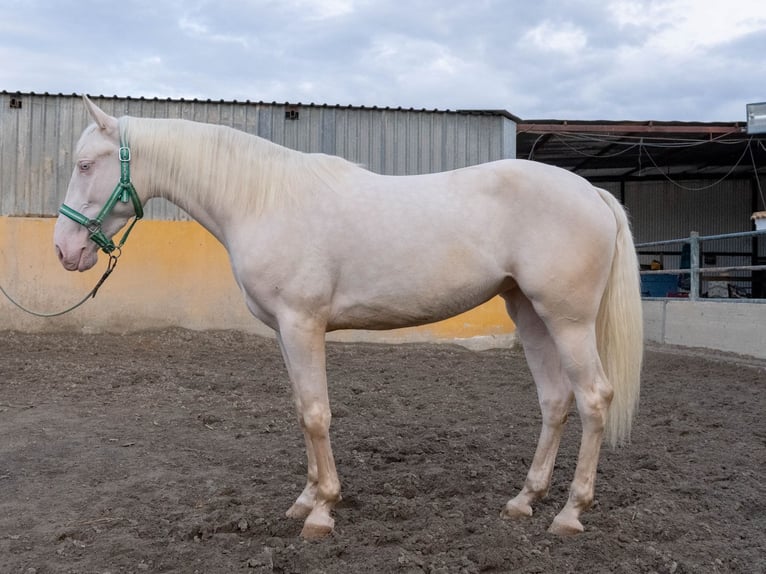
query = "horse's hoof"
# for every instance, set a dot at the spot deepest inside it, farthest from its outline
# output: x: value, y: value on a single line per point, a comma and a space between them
x: 317, y: 530
x: 299, y: 511
x: 565, y: 526
x: 516, y: 509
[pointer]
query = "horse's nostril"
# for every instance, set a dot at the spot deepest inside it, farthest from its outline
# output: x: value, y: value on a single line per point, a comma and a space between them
x: 59, y: 254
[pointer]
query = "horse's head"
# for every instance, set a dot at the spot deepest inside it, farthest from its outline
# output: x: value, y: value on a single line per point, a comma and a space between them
x: 84, y: 223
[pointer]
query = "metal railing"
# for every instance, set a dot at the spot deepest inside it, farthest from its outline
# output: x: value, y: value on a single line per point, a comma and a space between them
x: 695, y: 270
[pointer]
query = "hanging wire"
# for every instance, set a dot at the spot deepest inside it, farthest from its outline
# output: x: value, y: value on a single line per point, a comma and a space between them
x: 701, y: 188
x: 534, y: 145
x: 594, y: 155
x: 632, y: 142
x: 658, y: 142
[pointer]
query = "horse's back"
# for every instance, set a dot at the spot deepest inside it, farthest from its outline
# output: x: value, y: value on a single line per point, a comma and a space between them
x: 520, y: 211
x: 408, y: 250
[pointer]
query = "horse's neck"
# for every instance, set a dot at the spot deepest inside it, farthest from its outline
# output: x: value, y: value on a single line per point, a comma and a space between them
x: 221, y: 176
x: 214, y: 175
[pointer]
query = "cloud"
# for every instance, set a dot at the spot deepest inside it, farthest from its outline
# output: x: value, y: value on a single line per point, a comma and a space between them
x: 412, y: 59
x: 563, y: 38
x: 197, y: 29
x: 583, y: 59
x: 683, y: 27
x: 325, y: 9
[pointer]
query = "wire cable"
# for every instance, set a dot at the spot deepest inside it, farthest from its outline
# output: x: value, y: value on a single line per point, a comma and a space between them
x: 701, y: 188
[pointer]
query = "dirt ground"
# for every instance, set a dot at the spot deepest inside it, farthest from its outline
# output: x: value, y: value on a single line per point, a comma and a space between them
x: 178, y: 451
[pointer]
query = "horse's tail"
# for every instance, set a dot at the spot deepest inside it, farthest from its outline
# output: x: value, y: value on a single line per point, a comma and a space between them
x: 620, y: 329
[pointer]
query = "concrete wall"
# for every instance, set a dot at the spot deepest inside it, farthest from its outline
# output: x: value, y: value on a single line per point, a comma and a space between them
x: 175, y: 274
x: 734, y: 326
x: 171, y: 274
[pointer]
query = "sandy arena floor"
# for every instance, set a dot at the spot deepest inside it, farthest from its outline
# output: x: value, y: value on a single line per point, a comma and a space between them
x: 178, y: 451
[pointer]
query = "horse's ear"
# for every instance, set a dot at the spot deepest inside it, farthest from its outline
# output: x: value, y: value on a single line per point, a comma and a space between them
x: 102, y: 119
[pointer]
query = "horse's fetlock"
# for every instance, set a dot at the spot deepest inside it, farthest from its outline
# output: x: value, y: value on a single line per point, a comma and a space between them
x: 581, y: 496
x: 329, y: 493
x: 537, y: 484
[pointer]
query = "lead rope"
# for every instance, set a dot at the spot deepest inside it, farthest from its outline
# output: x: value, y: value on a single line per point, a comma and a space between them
x: 111, y: 264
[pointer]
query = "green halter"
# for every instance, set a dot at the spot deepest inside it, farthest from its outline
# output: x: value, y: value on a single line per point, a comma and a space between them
x: 124, y: 192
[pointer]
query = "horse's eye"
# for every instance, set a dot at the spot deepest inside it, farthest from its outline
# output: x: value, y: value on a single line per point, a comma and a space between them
x: 85, y: 165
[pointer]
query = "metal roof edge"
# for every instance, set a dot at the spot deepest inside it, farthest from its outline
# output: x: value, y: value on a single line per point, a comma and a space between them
x: 491, y: 112
x: 503, y: 113
x: 635, y: 126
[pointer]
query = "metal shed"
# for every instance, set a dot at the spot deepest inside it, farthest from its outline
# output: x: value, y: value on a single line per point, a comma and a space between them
x: 38, y: 133
x: 674, y: 178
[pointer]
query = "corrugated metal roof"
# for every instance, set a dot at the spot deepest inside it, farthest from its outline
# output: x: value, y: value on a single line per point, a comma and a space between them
x: 494, y: 112
x: 625, y: 151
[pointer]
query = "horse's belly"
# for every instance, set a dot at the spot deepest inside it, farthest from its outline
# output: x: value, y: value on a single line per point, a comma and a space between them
x: 409, y: 308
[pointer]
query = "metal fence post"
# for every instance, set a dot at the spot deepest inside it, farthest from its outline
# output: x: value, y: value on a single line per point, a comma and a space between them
x: 694, y: 264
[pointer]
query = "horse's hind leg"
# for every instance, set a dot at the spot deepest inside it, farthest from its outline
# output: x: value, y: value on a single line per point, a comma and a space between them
x: 576, y: 342
x: 555, y: 397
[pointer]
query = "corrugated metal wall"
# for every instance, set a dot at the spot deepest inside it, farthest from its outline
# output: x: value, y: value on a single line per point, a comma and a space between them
x: 662, y: 210
x: 37, y: 140
x: 723, y: 208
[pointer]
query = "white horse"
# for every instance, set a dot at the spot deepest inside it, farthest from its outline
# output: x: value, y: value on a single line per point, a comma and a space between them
x: 317, y: 243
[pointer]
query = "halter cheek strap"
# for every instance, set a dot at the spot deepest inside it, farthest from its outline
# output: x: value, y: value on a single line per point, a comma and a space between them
x: 124, y: 191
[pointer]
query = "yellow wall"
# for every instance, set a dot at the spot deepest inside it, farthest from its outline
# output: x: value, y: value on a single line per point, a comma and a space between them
x: 170, y: 274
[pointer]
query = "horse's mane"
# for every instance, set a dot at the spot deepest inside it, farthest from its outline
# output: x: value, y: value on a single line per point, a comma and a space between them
x: 223, y: 167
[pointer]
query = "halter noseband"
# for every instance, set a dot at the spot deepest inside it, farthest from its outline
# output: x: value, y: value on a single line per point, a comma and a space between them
x: 124, y: 192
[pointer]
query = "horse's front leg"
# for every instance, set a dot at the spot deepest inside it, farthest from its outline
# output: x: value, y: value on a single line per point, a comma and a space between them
x: 304, y: 504
x: 303, y: 347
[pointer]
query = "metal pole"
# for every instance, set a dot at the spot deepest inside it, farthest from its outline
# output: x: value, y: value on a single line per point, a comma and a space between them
x: 694, y: 260
x: 756, y: 278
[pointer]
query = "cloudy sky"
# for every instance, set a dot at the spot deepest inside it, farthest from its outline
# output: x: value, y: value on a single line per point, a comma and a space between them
x: 691, y: 60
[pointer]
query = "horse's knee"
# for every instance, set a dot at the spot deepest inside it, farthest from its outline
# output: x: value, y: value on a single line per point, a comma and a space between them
x: 315, y: 418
